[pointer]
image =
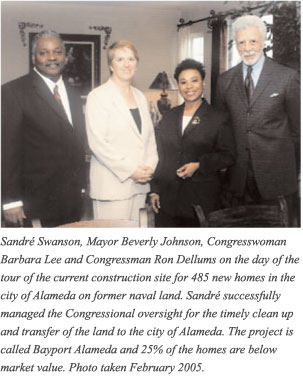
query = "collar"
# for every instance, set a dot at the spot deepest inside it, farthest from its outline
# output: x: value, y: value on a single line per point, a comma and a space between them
x: 50, y: 83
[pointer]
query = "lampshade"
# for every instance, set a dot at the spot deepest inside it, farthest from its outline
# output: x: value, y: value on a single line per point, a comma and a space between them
x: 163, y: 82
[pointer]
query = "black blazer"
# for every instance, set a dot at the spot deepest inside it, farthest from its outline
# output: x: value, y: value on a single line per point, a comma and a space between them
x: 42, y: 154
x: 268, y: 129
x: 207, y: 140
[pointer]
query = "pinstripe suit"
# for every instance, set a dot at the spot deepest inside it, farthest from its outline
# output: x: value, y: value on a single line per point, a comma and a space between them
x: 266, y: 131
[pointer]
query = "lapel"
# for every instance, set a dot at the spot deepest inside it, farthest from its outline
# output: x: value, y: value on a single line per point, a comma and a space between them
x: 122, y: 108
x: 239, y: 83
x: 74, y: 99
x: 261, y: 85
x: 178, y: 120
x: 42, y: 90
x: 263, y: 80
x: 197, y: 119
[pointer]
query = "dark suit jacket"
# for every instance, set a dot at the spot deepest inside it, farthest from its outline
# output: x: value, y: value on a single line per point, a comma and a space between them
x: 268, y: 129
x: 207, y: 140
x: 42, y: 154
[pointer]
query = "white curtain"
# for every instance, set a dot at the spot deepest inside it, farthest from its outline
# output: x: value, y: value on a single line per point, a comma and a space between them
x: 184, y: 43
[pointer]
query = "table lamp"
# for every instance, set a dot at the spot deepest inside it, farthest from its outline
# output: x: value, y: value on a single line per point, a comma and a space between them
x: 163, y: 82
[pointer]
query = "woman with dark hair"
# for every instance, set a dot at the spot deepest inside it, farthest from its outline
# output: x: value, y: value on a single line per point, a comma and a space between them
x: 195, y: 142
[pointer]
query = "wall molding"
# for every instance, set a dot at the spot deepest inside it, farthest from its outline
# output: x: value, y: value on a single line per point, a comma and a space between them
x: 106, y: 29
x: 23, y: 25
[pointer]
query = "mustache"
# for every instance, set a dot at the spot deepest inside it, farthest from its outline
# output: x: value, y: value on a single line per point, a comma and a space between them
x: 249, y: 54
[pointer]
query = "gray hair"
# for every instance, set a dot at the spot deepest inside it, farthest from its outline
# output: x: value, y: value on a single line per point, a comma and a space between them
x: 246, y: 21
x: 45, y: 34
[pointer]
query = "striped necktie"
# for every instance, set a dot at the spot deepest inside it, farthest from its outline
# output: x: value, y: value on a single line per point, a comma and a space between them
x: 57, y: 96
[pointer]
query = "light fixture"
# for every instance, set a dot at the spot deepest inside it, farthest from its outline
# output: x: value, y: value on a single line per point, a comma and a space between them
x: 163, y: 82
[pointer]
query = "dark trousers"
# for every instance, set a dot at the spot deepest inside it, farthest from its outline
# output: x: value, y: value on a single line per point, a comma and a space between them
x: 252, y: 196
x: 165, y: 220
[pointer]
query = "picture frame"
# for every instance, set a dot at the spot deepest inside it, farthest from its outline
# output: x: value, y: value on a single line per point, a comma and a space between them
x: 83, y: 67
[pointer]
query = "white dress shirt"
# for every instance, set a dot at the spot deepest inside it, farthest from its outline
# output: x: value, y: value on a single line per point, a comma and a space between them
x: 62, y: 92
x: 256, y: 72
x: 185, y: 122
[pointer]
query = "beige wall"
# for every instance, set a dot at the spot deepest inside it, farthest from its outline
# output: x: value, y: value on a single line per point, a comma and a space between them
x: 153, y: 30
x: 153, y: 33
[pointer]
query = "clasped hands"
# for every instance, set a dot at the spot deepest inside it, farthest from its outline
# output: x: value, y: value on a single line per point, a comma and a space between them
x: 142, y: 174
x: 185, y: 171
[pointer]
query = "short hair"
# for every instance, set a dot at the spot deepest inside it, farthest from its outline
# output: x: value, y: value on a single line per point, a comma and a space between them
x: 189, y: 64
x: 247, y: 21
x: 45, y: 34
x: 121, y: 44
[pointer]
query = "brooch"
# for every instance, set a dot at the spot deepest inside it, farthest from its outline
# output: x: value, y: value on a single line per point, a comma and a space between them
x: 196, y: 120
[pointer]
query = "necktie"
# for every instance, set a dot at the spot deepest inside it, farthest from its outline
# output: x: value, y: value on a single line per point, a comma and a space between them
x: 59, y: 101
x: 249, y: 84
x: 57, y: 96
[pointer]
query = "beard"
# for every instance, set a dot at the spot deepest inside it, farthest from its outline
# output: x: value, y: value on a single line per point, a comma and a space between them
x: 251, y: 58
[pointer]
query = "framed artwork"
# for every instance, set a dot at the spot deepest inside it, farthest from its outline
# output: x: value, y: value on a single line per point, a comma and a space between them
x: 83, y: 67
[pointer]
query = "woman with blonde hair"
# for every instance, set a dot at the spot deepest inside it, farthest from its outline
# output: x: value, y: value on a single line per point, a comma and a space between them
x: 121, y: 137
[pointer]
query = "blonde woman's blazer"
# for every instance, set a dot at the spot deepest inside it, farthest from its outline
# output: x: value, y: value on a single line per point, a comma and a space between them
x: 116, y: 144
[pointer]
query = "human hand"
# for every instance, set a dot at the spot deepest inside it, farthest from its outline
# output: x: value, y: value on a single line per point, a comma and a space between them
x: 187, y: 170
x: 149, y: 170
x: 155, y: 202
x: 142, y: 174
x: 15, y: 215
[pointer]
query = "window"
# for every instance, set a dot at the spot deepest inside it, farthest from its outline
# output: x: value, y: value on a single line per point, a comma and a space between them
x: 191, y: 44
x: 197, y: 48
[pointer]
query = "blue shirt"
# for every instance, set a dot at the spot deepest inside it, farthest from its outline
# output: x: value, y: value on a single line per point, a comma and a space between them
x: 256, y: 70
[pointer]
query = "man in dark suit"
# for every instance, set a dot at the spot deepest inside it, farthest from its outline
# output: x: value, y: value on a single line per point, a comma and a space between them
x: 262, y: 98
x: 42, y: 141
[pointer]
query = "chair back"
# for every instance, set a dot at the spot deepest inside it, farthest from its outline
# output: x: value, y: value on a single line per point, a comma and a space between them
x: 246, y: 216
